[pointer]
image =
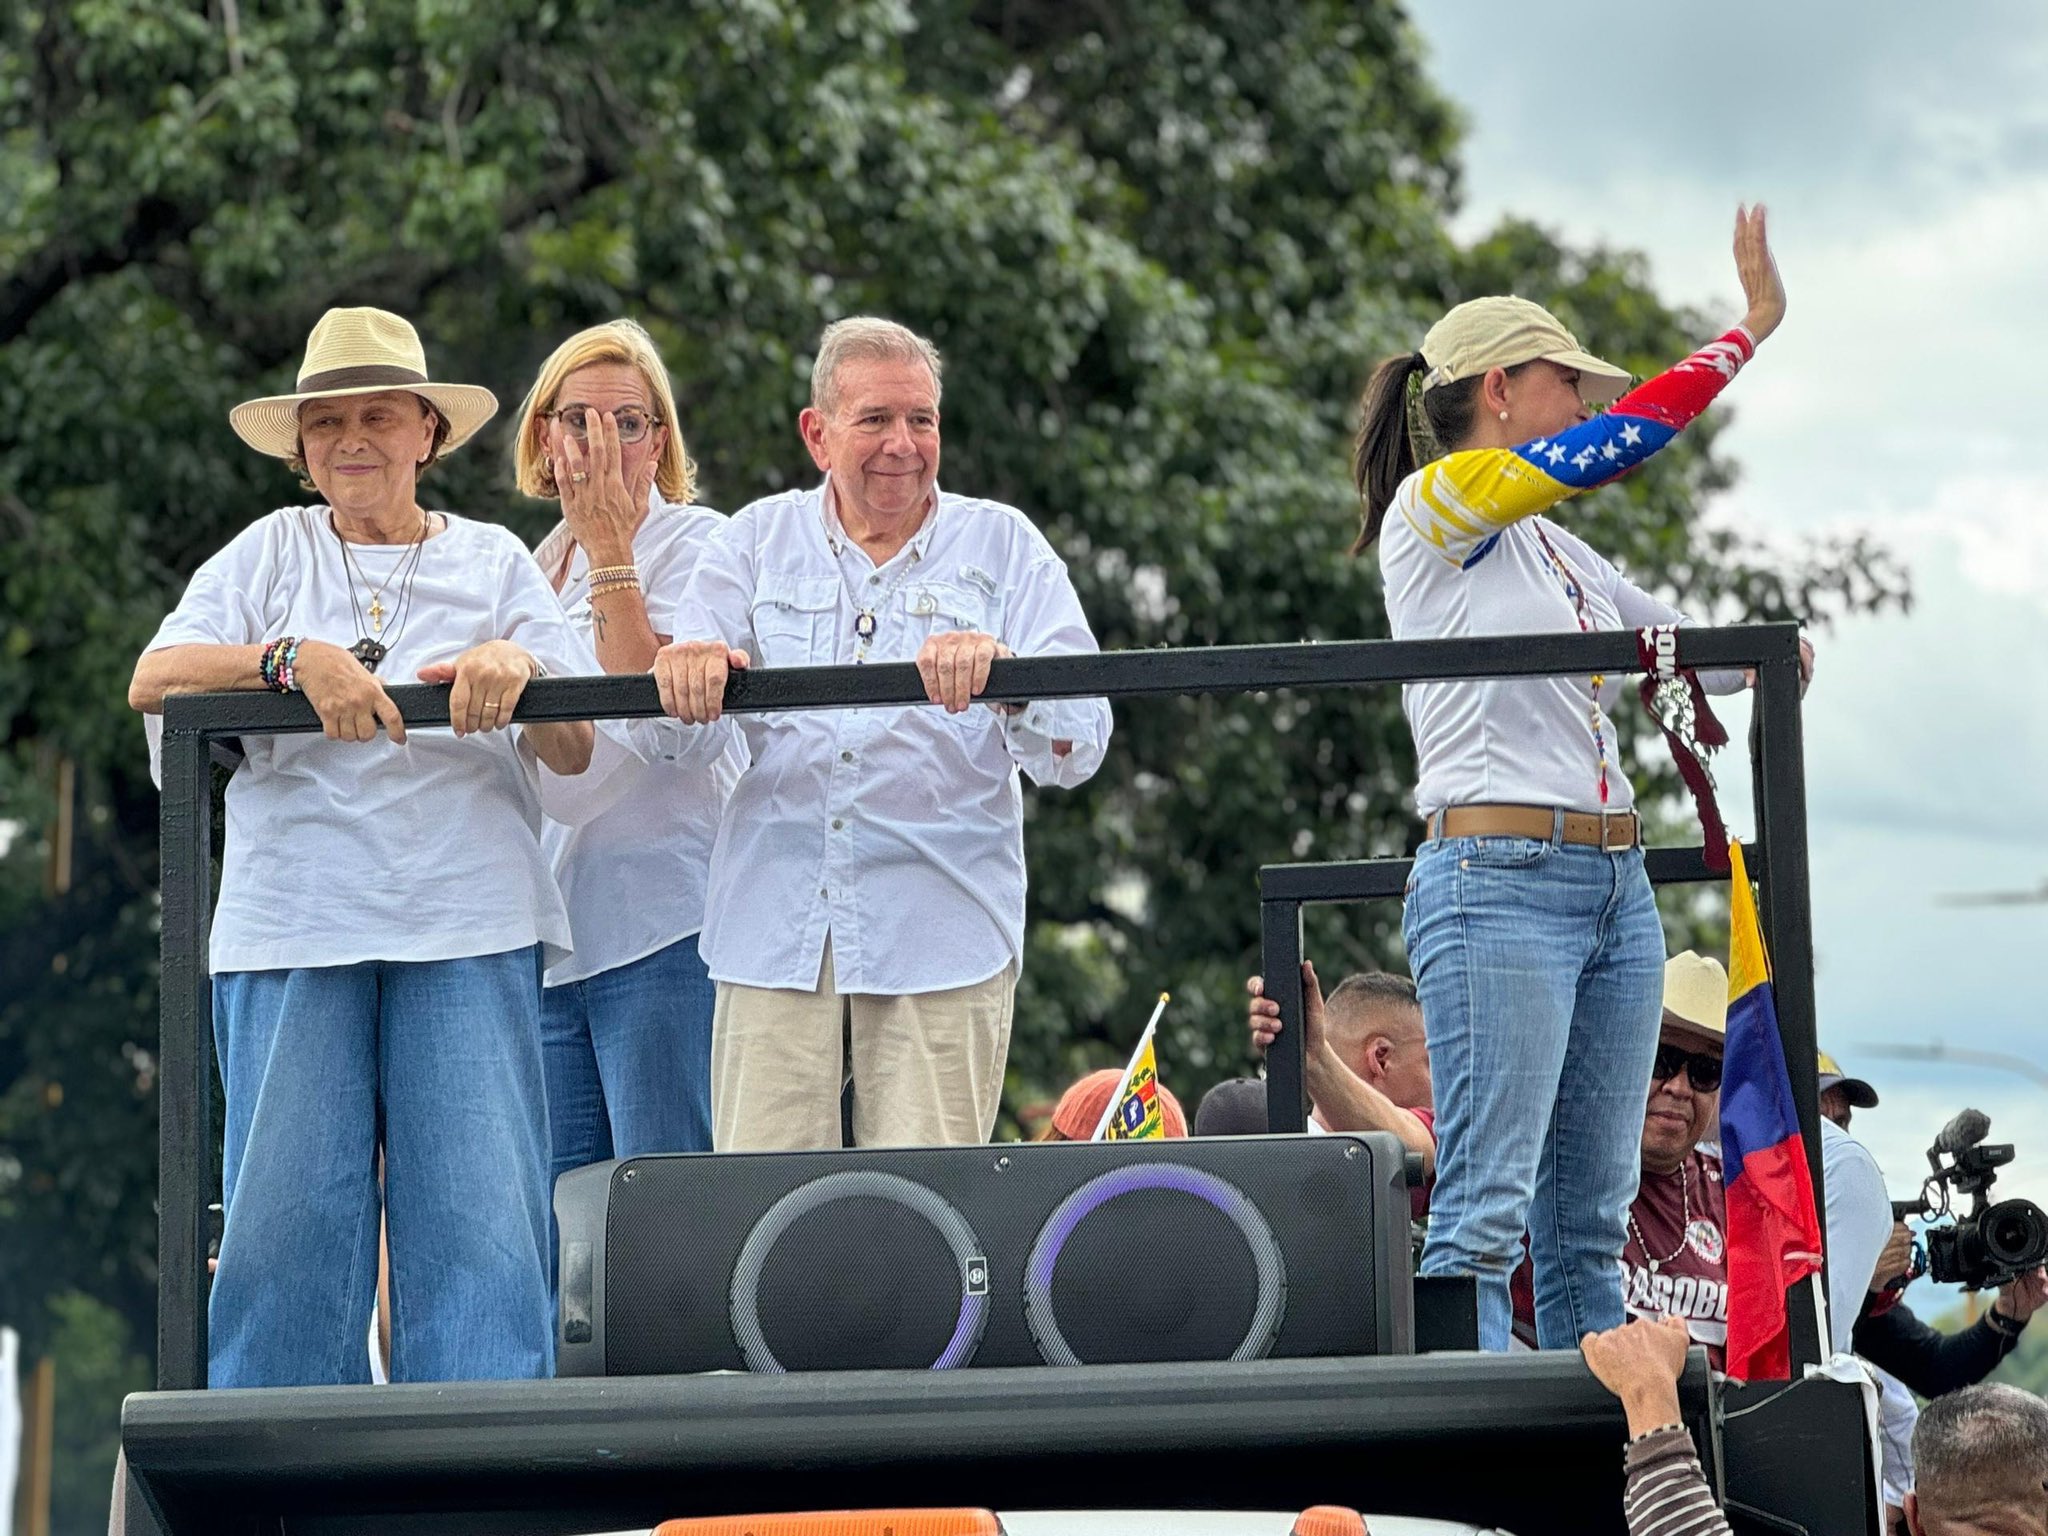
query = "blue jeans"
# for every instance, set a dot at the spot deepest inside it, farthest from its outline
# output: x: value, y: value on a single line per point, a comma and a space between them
x: 628, y: 1054
x: 440, y: 1062
x: 1540, y: 969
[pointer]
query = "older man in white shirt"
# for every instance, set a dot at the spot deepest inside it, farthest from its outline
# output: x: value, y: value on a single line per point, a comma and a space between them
x: 867, y: 885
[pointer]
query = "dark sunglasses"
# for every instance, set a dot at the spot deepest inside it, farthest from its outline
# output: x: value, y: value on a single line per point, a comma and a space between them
x: 1703, y: 1072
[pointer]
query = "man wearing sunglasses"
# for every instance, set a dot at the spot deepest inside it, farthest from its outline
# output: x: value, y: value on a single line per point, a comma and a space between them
x: 1675, y: 1263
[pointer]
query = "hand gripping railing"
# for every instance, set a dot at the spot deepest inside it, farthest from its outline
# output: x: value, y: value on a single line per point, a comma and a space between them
x: 195, y: 724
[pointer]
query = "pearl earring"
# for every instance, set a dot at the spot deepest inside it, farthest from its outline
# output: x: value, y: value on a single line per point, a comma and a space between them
x: 1503, y: 415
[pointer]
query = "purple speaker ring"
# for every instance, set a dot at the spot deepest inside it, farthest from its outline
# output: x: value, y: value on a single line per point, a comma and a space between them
x: 744, y: 1294
x: 1270, y: 1307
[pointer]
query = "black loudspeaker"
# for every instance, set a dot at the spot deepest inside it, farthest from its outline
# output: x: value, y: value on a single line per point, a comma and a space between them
x: 931, y: 1258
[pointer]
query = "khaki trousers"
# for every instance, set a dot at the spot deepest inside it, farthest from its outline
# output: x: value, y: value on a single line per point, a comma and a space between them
x: 927, y: 1068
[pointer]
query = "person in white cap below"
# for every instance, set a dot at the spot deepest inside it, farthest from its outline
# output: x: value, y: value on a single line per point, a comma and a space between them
x: 384, y: 902
x: 1532, y: 934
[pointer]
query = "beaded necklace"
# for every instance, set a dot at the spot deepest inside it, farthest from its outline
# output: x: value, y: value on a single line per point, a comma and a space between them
x: 1684, y: 1221
x: 1576, y: 591
x: 864, y: 617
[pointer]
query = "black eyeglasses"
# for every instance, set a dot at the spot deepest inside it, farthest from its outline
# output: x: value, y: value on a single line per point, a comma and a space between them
x: 1703, y: 1072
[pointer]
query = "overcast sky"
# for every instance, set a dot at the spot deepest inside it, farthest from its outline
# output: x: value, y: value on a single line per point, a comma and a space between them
x: 1903, y: 153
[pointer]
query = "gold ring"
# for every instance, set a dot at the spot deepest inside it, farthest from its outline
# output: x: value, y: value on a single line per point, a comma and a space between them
x: 490, y: 706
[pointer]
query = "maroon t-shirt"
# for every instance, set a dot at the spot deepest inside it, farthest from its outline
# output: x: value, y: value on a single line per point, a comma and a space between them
x: 1418, y: 1197
x: 1675, y: 1261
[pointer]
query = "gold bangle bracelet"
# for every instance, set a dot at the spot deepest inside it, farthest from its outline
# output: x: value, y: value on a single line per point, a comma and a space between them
x: 603, y: 588
x: 614, y: 573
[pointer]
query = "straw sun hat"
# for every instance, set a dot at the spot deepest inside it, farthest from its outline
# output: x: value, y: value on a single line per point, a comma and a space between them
x: 360, y: 352
x: 1696, y: 994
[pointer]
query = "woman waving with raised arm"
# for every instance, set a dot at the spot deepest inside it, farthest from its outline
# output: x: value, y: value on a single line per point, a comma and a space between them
x: 1531, y: 929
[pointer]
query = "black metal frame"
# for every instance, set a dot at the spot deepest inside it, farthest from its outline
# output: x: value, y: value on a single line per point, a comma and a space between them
x: 196, y: 726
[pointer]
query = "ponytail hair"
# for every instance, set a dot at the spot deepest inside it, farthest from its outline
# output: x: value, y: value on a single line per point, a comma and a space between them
x: 1385, y: 452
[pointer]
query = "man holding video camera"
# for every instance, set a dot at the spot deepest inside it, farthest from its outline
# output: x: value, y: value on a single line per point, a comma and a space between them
x: 1886, y: 1332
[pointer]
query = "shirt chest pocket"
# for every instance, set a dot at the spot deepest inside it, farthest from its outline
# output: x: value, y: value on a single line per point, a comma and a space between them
x: 792, y: 620
x: 945, y: 607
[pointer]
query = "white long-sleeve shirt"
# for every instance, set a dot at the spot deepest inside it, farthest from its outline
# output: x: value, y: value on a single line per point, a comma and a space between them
x: 634, y: 877
x: 1516, y: 740
x: 1466, y: 550
x: 899, y: 832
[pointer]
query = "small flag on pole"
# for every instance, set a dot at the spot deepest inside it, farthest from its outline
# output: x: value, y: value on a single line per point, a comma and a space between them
x: 1134, y: 1111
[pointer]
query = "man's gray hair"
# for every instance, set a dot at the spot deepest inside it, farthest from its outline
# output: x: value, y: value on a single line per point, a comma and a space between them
x: 866, y: 338
x: 1981, y: 1450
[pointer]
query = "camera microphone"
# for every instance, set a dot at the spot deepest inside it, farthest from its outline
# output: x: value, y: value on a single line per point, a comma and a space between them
x: 1963, y: 1132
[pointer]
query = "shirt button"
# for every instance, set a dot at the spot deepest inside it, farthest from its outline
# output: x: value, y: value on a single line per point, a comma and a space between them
x: 838, y: 825
x: 823, y: 892
x: 846, y: 757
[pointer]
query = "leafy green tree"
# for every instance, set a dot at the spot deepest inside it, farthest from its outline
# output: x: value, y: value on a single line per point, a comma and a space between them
x: 1161, y: 244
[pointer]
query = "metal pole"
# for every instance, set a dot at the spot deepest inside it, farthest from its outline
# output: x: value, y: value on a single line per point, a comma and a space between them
x: 1780, y: 768
x: 1286, y: 1062
x: 184, y: 1059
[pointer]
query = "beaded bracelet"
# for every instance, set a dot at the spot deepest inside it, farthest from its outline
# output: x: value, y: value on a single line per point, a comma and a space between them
x: 616, y: 584
x: 604, y: 573
x: 278, y: 664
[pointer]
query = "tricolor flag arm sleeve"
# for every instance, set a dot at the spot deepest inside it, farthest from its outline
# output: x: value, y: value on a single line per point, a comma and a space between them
x: 1463, y: 500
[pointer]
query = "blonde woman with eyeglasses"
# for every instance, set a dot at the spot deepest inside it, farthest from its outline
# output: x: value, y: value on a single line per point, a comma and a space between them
x: 626, y: 1019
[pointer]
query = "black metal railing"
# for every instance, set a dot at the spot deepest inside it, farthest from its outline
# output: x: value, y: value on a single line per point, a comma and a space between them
x: 197, y: 725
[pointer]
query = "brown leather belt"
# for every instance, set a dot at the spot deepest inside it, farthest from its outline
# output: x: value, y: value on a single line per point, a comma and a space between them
x: 1615, y: 830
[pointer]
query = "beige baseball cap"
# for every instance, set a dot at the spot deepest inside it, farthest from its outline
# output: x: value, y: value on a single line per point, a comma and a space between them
x: 1696, y: 994
x: 1502, y: 332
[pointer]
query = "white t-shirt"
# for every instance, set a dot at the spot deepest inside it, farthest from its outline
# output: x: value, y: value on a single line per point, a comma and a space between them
x: 339, y: 852
x: 634, y: 877
x: 1521, y: 740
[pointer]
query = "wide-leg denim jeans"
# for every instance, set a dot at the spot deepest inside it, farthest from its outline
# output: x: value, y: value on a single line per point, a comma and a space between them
x: 1540, y: 969
x: 441, y: 1061
x: 628, y: 1054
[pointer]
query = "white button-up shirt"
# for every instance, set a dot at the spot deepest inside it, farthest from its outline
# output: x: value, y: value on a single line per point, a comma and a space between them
x: 898, y: 832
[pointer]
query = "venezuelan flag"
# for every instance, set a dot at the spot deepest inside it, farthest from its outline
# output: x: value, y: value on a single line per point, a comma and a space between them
x: 1773, y: 1235
x: 1134, y: 1112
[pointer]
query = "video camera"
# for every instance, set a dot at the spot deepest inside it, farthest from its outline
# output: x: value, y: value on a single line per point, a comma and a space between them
x: 1993, y: 1243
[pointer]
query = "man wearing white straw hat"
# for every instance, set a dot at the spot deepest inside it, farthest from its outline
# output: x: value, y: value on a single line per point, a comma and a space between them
x: 1675, y: 1263
x: 385, y: 905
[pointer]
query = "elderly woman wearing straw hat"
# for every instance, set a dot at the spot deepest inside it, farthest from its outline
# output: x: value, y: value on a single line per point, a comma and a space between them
x: 626, y: 1019
x: 384, y: 904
